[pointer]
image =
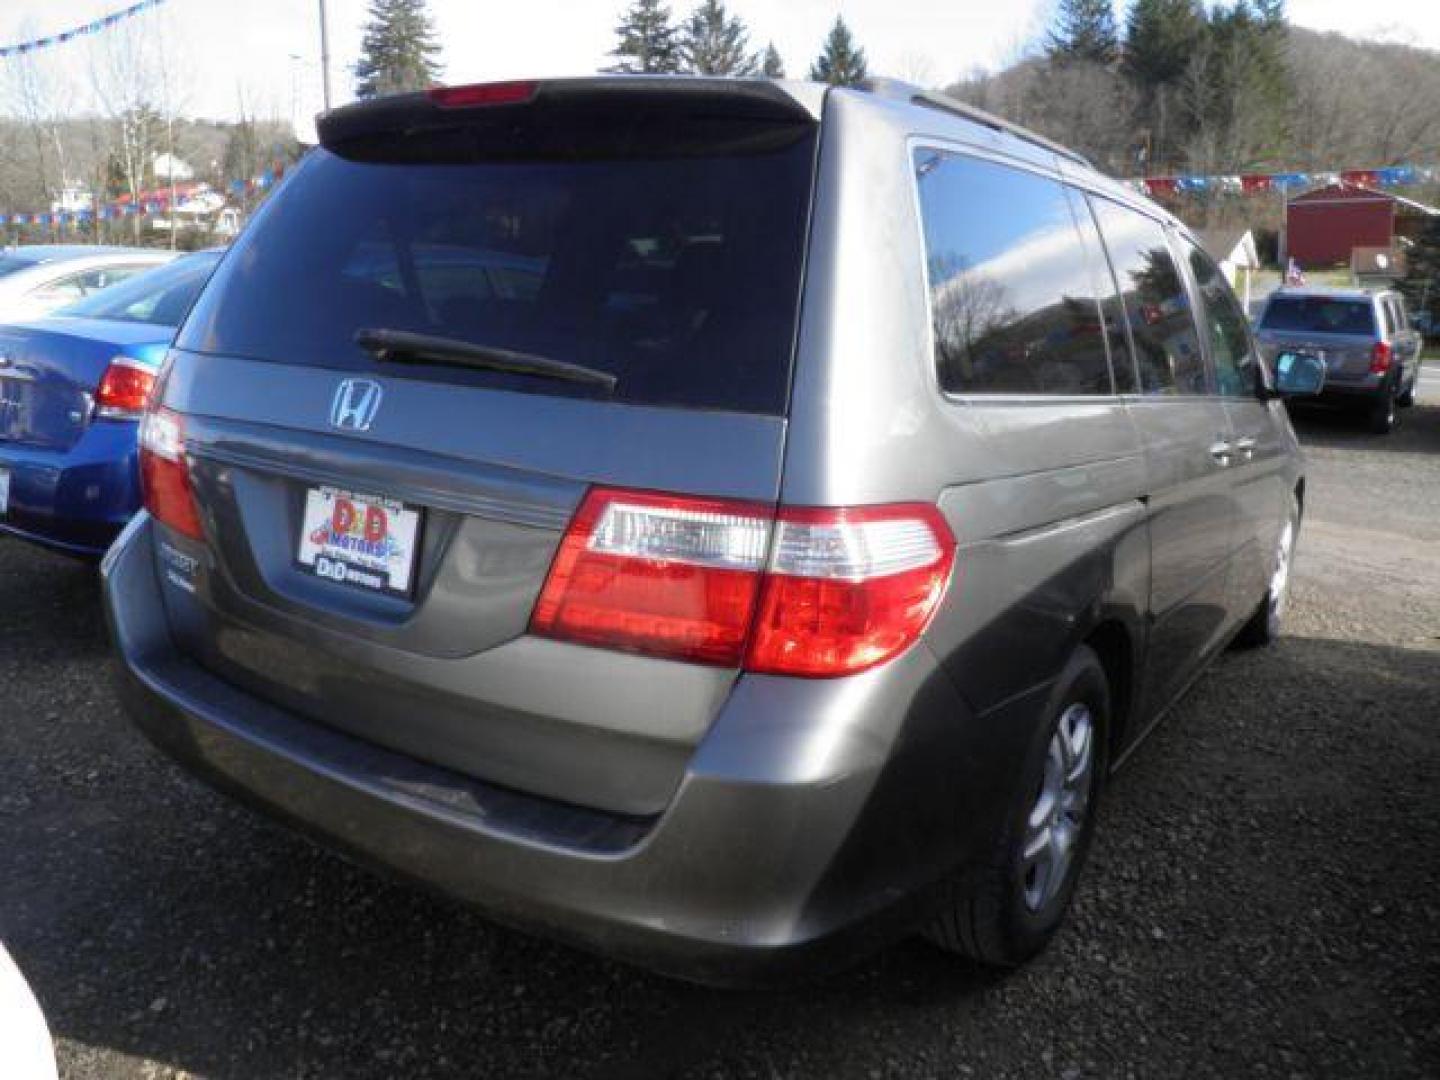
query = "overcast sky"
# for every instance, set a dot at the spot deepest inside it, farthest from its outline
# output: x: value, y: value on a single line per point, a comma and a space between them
x: 269, y: 49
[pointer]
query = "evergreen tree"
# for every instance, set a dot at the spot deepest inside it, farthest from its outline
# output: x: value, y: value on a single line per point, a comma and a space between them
x: 1421, y: 284
x: 1084, y: 30
x: 771, y: 66
x: 1234, y: 101
x: 1269, y: 13
x: 714, y: 43
x: 646, y: 44
x: 840, y: 63
x: 399, y: 50
x: 1160, y: 36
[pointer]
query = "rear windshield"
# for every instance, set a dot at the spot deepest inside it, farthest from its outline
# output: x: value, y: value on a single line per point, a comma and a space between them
x: 1319, y: 315
x: 681, y: 277
x: 159, y: 297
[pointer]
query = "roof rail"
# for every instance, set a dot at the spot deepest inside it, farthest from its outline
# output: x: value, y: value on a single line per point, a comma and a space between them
x: 899, y: 90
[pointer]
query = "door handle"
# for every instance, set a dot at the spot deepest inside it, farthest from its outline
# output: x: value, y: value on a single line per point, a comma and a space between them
x: 1221, y: 451
x: 1246, y: 446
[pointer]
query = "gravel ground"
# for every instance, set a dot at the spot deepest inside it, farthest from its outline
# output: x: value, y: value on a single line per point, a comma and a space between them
x: 1261, y: 901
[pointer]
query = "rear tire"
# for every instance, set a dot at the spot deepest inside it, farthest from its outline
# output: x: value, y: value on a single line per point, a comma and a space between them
x: 1407, y: 399
x: 1380, y: 415
x: 1264, y: 626
x: 1004, y: 912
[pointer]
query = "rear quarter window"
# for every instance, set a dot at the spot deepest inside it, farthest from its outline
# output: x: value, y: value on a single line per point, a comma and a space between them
x: 679, y: 276
x: 1013, y: 300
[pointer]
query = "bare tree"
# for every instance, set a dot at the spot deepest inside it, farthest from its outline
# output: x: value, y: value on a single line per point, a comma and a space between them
x: 36, y: 97
x: 916, y: 67
x: 1076, y: 103
x: 126, y: 75
x: 174, y: 74
x: 970, y: 308
x: 1396, y: 120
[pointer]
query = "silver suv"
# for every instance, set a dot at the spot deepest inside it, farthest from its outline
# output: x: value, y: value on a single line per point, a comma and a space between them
x: 728, y: 524
x: 1372, y: 354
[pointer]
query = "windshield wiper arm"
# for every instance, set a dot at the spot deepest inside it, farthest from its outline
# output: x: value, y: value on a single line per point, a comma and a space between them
x: 403, y: 346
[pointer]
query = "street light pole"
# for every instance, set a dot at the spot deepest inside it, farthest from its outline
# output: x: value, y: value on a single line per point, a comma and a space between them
x: 325, y: 55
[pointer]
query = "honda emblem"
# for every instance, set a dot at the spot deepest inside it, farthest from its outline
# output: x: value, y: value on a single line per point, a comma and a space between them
x: 355, y: 404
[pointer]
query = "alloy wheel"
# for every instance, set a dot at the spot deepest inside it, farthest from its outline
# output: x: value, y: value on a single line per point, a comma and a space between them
x: 1057, y: 818
x: 1280, y: 579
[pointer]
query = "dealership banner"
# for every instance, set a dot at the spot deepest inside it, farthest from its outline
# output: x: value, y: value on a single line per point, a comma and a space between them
x: 149, y: 202
x: 1283, y: 182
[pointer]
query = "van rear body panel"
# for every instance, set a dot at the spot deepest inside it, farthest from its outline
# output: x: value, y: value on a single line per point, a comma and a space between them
x: 496, y: 501
x: 652, y: 256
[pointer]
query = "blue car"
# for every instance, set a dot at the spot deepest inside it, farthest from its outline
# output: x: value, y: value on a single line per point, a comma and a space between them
x: 72, y: 387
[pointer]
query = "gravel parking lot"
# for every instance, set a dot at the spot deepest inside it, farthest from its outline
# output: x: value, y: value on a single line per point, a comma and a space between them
x: 1263, y: 899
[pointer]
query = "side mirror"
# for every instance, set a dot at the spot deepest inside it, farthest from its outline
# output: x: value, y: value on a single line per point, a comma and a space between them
x: 1299, y: 374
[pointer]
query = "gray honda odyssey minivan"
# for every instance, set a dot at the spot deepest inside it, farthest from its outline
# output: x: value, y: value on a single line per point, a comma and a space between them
x: 728, y: 524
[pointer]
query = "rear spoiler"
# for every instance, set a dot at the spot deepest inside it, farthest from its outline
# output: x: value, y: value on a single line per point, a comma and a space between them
x: 634, y: 116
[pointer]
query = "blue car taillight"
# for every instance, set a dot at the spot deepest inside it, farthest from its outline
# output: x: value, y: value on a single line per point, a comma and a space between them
x: 124, y: 389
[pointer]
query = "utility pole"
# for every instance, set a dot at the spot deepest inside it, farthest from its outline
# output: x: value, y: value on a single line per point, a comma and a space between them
x: 325, y: 55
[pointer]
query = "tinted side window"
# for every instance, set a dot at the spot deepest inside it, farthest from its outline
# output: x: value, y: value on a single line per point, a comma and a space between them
x: 60, y: 290
x: 1112, y: 310
x: 1387, y: 318
x: 1157, y: 309
x: 1011, y: 295
x: 1397, y: 308
x: 1235, y: 361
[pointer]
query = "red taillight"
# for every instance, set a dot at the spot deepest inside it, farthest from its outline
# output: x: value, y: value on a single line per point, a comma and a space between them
x: 476, y: 95
x: 124, y: 389
x: 657, y: 574
x: 1380, y: 357
x: 165, y: 475
x: 814, y: 592
x: 849, y: 589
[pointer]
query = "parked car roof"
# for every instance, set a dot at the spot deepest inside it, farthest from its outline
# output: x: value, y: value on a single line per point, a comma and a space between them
x: 43, y: 253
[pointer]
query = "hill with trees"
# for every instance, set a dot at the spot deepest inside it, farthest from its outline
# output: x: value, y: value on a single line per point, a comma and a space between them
x: 1229, y: 90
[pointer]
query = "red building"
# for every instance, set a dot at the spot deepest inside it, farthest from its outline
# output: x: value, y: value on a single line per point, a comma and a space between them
x: 1322, y: 227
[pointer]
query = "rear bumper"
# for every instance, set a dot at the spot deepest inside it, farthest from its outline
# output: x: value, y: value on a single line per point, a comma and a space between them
x: 794, y: 843
x: 74, y: 500
x: 1354, y: 391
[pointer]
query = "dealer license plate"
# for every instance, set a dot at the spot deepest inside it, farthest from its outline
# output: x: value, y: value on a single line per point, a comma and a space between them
x: 367, y: 541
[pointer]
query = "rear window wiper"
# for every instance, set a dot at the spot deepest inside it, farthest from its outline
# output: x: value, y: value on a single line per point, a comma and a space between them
x: 402, y: 346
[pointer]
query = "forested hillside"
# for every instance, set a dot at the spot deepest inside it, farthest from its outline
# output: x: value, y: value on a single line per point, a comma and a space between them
x: 1232, y: 97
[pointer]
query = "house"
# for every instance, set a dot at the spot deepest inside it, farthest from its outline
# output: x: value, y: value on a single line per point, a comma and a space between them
x: 1235, y: 252
x: 72, y: 200
x: 167, y: 167
x: 1323, y: 227
x: 197, y: 206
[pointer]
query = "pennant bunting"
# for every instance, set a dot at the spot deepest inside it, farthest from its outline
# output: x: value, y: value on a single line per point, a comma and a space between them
x: 1285, y: 182
x: 149, y: 204
x: 25, y: 47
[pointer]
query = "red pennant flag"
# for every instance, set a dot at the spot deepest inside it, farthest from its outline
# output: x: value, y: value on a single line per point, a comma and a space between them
x: 1360, y: 177
x: 1255, y: 183
x: 1162, y: 185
